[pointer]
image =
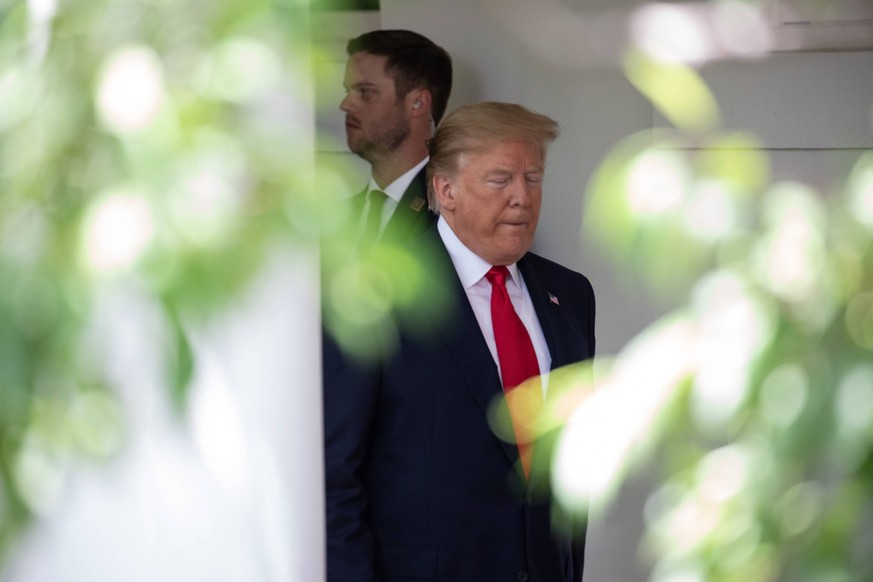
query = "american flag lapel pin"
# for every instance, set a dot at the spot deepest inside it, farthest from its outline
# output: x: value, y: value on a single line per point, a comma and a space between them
x: 554, y: 299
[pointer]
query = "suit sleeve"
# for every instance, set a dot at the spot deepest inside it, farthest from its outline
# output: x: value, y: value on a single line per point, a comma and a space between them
x: 350, y: 398
x: 593, y: 311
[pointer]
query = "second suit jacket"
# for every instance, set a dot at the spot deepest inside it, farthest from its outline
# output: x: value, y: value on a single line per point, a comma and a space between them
x: 418, y: 485
x: 411, y: 217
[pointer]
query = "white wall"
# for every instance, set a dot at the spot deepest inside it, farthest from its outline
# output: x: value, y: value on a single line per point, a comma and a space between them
x: 595, y: 110
x: 794, y: 101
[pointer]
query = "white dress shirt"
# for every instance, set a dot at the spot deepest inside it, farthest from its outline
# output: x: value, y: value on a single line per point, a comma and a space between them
x: 471, y: 269
x: 394, y: 191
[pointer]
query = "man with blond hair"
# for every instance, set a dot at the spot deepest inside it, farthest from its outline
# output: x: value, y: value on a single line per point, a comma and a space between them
x: 419, y: 486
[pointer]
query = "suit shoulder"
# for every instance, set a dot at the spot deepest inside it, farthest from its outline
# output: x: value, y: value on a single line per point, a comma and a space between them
x: 547, y: 267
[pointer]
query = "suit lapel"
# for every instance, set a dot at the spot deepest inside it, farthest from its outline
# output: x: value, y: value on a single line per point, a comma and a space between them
x: 544, y: 296
x: 466, y: 345
x: 411, y: 214
x: 414, y: 200
x: 564, y: 346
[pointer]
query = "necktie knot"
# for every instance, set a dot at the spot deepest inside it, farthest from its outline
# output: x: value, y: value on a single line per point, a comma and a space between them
x: 497, y: 275
x: 377, y: 197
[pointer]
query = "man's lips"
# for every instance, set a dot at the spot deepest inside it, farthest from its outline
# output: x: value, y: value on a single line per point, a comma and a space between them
x: 352, y: 123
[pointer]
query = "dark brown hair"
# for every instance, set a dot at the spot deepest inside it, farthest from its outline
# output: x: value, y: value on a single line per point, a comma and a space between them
x: 413, y: 61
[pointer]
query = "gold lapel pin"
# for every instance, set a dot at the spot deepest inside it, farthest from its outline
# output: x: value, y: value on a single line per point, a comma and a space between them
x: 417, y: 204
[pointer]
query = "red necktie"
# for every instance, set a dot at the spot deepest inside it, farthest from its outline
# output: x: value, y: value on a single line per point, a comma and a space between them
x: 518, y: 362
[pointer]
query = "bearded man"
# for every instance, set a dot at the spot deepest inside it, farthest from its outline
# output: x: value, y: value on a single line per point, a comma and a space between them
x: 397, y: 86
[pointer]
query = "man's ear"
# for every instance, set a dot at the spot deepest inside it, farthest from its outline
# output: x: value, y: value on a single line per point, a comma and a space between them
x: 418, y: 102
x: 444, y: 190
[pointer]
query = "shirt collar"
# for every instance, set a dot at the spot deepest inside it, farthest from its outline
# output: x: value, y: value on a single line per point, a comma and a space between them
x: 471, y: 268
x: 397, y: 188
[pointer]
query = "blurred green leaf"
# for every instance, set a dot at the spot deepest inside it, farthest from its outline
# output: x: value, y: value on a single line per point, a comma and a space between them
x: 676, y: 90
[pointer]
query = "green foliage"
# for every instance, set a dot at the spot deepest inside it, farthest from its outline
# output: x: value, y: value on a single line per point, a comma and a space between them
x: 763, y: 408
x: 372, y: 292
x: 152, y: 153
x: 146, y: 145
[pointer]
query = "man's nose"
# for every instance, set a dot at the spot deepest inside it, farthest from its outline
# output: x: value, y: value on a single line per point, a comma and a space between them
x: 520, y: 193
x: 345, y: 104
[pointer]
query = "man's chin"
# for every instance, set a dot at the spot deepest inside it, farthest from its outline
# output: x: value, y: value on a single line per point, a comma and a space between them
x: 356, y: 148
x: 508, y: 256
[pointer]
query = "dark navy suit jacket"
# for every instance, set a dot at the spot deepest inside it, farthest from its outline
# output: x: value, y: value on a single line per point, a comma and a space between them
x: 411, y: 216
x: 418, y: 485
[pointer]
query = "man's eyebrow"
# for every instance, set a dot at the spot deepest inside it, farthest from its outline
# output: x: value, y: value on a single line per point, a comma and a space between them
x: 360, y: 84
x: 508, y: 172
x: 497, y: 172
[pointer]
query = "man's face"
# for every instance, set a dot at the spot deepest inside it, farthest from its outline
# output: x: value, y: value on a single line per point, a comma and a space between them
x: 493, y: 201
x: 376, y: 122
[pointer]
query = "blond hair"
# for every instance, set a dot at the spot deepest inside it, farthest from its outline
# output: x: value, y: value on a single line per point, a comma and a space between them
x: 473, y: 128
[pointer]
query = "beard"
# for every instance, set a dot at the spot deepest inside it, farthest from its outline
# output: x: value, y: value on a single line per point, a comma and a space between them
x: 389, y: 135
